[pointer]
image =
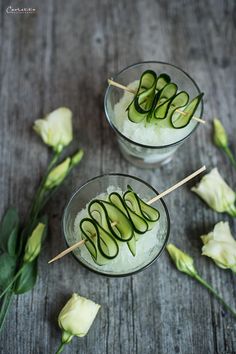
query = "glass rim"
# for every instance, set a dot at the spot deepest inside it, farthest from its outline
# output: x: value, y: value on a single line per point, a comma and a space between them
x: 128, y: 273
x: 132, y: 141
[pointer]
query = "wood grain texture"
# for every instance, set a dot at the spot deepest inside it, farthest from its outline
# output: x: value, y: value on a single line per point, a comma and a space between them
x: 63, y: 55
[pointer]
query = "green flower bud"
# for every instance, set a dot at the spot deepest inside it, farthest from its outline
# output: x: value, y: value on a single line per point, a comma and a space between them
x: 216, y: 193
x: 220, y: 136
x: 76, y: 317
x: 34, y: 242
x: 56, y: 128
x: 76, y: 158
x: 58, y: 174
x: 220, y: 246
x: 183, y: 262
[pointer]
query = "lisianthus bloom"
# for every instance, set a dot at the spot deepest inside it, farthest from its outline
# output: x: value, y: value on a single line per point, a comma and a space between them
x: 76, y: 317
x: 183, y: 262
x: 216, y: 193
x: 56, y: 128
x: 220, y: 245
x: 34, y: 243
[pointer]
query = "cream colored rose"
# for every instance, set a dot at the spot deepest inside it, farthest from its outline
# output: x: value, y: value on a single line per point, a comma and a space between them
x: 77, y: 316
x: 220, y: 245
x: 216, y: 193
x: 56, y: 128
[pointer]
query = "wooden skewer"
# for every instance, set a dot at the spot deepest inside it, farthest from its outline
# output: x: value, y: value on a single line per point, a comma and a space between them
x: 151, y: 201
x: 126, y: 88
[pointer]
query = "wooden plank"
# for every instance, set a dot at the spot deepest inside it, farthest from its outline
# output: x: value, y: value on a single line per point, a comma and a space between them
x: 63, y: 56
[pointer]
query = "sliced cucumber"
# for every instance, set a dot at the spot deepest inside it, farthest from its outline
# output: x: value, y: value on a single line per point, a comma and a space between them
x: 100, y: 244
x: 157, y: 98
x: 179, y: 120
x: 162, y: 80
x: 115, y: 221
x: 143, y: 100
x: 164, y: 99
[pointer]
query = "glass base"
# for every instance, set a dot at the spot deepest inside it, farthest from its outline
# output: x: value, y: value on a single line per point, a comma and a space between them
x: 141, y: 163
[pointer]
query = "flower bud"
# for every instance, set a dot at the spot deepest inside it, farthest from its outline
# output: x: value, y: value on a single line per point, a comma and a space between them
x: 76, y: 317
x: 220, y: 136
x: 57, y: 174
x: 216, y: 193
x: 75, y: 159
x: 34, y: 242
x: 56, y: 128
x: 183, y: 262
x: 220, y: 245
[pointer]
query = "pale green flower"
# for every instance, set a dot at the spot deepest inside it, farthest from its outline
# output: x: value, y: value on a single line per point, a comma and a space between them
x: 56, y: 128
x: 216, y: 193
x: 220, y: 245
x: 57, y: 174
x: 34, y: 243
x: 220, y: 136
x: 183, y: 261
x: 76, y: 317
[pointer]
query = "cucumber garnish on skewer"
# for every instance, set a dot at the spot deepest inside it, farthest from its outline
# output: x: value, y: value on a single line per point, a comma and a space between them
x: 158, y: 98
x: 117, y: 220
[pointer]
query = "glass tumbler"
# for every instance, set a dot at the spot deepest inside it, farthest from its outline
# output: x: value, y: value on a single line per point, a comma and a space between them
x: 148, y: 250
x: 141, y: 155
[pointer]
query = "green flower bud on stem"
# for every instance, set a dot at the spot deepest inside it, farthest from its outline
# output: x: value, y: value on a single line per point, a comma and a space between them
x: 34, y: 243
x: 76, y: 158
x: 58, y: 174
x: 184, y: 263
x: 220, y: 136
x: 221, y: 140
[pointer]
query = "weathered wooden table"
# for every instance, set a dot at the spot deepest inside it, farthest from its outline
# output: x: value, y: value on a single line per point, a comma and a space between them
x: 62, y: 55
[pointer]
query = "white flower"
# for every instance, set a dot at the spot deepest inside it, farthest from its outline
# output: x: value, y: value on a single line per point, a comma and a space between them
x: 34, y: 243
x: 56, y: 128
x: 57, y: 174
x: 183, y: 262
x: 77, y: 316
x: 220, y: 246
x: 216, y: 193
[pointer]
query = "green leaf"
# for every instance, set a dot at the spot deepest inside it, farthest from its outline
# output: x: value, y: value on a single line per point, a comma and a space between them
x: 8, y: 231
x: 27, y: 278
x: 7, y: 266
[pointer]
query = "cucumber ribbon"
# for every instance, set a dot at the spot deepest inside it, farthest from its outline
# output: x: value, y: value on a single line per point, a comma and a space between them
x: 157, y: 98
x: 115, y: 221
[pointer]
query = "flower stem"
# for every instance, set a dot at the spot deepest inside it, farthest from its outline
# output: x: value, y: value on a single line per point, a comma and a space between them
x: 230, y: 156
x: 4, y: 307
x: 60, y: 348
x: 12, y: 281
x: 219, y: 298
